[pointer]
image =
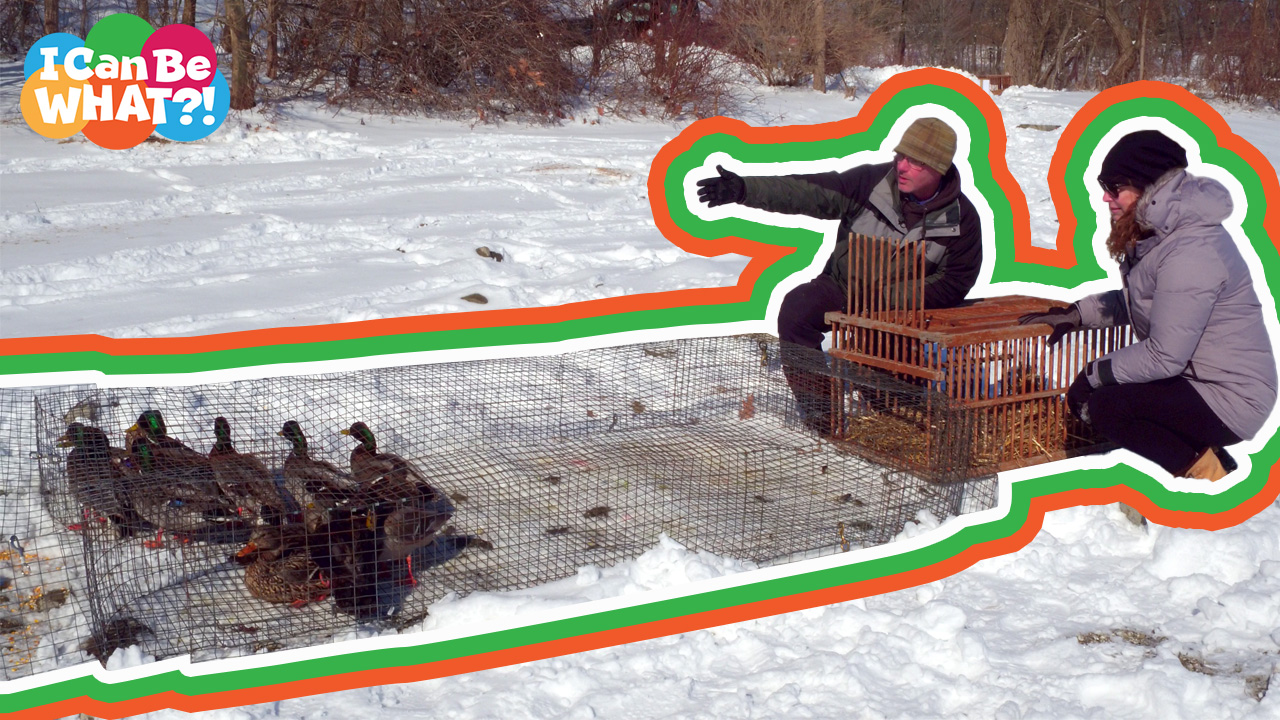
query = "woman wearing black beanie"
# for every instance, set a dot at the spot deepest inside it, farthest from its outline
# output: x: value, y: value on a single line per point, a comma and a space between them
x: 1201, y: 374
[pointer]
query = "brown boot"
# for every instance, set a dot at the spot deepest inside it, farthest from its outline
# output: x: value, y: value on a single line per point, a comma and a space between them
x: 1206, y: 467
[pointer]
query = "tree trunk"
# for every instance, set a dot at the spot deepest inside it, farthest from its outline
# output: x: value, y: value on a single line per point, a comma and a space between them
x: 273, y: 36
x: 1083, y: 69
x: 242, y: 80
x: 1051, y: 75
x: 657, y: 38
x: 25, y: 7
x: 1022, y: 45
x: 142, y: 8
x: 50, y: 16
x: 819, y: 47
x: 902, y: 35
x: 1142, y: 45
x: 359, y: 29
x: 1126, y: 53
x: 1253, y: 71
x: 189, y: 13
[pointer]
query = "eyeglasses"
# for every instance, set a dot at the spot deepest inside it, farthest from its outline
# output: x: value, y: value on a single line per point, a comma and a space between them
x: 915, y: 164
x: 1113, y: 188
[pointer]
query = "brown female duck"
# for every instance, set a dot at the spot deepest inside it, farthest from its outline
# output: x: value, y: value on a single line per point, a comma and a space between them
x: 280, y: 568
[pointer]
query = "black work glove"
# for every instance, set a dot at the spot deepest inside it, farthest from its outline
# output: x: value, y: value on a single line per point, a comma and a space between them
x: 1078, y: 396
x: 1063, y: 320
x: 716, y: 191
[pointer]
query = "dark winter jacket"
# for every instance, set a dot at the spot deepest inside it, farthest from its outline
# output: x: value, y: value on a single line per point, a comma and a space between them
x: 866, y: 201
x: 1189, y: 297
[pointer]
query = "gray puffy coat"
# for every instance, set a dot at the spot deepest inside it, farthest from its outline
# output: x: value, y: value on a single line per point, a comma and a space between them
x: 1190, y: 299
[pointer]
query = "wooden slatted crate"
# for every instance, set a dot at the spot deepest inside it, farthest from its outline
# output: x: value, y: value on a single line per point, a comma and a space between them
x: 1005, y: 376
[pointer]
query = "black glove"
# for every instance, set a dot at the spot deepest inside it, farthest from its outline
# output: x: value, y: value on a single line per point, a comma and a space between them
x: 728, y: 188
x: 1063, y: 320
x: 1078, y: 396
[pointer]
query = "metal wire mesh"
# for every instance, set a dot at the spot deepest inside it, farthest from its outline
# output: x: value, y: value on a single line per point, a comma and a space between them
x: 519, y: 471
x: 43, y: 608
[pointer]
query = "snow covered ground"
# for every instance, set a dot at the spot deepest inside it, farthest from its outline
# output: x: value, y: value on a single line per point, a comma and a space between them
x: 300, y: 215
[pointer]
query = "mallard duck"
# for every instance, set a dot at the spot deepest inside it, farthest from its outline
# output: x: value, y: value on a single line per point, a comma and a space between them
x: 403, y: 507
x: 317, y: 485
x: 167, y: 449
x: 387, y: 476
x: 95, y: 478
x: 367, y: 463
x: 177, y: 497
x: 243, y: 476
x: 280, y: 568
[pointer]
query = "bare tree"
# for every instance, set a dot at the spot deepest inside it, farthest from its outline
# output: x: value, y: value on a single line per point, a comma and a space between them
x: 1125, y: 46
x: 50, y: 16
x: 1072, y: 41
x: 777, y: 38
x: 357, y: 33
x: 902, y: 33
x: 273, y: 36
x: 18, y: 18
x: 819, y: 46
x: 1261, y: 47
x: 496, y: 58
x: 242, y: 80
x: 1023, y: 43
x: 1142, y: 42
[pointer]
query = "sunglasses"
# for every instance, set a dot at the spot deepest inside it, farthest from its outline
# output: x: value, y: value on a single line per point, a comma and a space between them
x: 1113, y: 188
x: 915, y: 164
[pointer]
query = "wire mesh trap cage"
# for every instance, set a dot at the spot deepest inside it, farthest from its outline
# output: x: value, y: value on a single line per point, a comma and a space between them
x: 241, y: 517
x: 1005, y: 378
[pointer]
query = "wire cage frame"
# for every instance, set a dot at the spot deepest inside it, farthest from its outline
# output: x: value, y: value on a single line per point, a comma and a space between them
x: 1009, y: 379
x: 522, y: 471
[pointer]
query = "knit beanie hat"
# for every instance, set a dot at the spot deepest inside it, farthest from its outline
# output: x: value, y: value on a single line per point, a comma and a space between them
x: 930, y: 141
x: 1140, y: 158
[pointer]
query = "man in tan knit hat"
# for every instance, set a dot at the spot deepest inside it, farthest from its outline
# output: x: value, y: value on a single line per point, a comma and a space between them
x: 915, y: 200
x: 928, y: 142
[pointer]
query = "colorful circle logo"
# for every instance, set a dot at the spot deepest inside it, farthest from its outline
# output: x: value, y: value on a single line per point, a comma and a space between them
x: 123, y: 82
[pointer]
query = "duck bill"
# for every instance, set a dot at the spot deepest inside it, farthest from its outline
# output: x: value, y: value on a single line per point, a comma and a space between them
x: 344, y: 431
x: 133, y: 428
x: 247, y: 549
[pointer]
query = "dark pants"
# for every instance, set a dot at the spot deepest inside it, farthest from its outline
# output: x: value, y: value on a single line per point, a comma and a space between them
x: 802, y: 317
x: 801, y: 325
x: 1165, y: 421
